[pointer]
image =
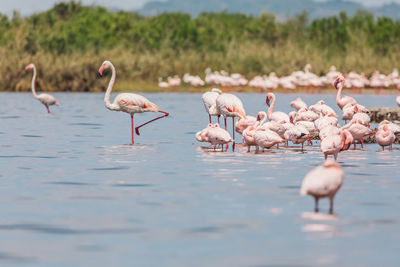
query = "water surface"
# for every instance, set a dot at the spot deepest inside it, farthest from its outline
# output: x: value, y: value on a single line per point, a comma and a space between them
x: 74, y: 193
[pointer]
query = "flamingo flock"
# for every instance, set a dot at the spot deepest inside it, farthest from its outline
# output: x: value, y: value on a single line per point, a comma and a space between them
x: 299, y: 126
x: 302, y: 78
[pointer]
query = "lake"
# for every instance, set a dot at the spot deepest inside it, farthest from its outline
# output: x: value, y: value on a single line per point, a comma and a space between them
x: 74, y: 193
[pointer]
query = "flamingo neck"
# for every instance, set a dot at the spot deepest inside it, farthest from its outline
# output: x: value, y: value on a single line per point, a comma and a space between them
x: 34, y: 82
x: 109, y: 89
x: 264, y: 119
x: 271, y: 108
x: 342, y: 138
x: 339, y: 93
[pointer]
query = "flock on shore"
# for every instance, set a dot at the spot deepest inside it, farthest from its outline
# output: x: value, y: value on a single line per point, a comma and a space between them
x: 297, y: 79
x: 299, y: 126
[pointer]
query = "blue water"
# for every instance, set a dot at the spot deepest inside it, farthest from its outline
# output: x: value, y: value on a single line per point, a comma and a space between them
x: 74, y: 193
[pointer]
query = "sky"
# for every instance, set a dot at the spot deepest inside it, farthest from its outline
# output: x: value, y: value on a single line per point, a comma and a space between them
x: 27, y: 7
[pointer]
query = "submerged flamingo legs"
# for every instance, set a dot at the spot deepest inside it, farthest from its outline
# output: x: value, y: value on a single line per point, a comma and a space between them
x: 132, y: 141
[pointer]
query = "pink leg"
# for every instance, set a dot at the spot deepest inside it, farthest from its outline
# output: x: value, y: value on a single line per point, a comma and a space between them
x: 209, y: 116
x: 362, y: 143
x: 225, y: 123
x: 233, y: 130
x: 354, y: 145
x: 165, y: 115
x: 132, y: 141
x: 218, y: 118
x: 48, y: 110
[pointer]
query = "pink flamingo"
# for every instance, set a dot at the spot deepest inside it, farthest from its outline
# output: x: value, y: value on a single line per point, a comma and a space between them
x: 277, y: 116
x: 128, y: 102
x: 266, y: 138
x: 333, y: 144
x: 298, y: 103
x: 46, y: 99
x: 323, y: 181
x: 209, y: 101
x: 358, y: 131
x: 385, y: 137
x: 202, y: 136
x: 342, y: 101
x: 219, y: 136
x: 229, y: 105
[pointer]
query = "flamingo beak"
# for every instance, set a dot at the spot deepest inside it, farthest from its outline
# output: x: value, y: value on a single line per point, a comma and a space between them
x: 101, y: 70
x: 258, y: 118
x: 345, y: 147
x: 267, y: 101
x: 27, y: 68
x: 335, y: 83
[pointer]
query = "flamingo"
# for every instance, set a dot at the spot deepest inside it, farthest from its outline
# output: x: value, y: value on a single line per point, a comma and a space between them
x: 266, y: 138
x: 328, y: 131
x: 322, y: 122
x: 306, y: 115
x: 128, y: 102
x: 162, y: 84
x: 298, y: 135
x: 277, y: 116
x: 46, y: 99
x: 321, y: 108
x: 358, y: 131
x: 333, y: 144
x: 229, y: 105
x: 219, y: 136
x: 298, y: 103
x: 323, y: 181
x: 342, y: 101
x: 209, y: 101
x: 202, y: 136
x: 392, y: 126
x: 385, y: 137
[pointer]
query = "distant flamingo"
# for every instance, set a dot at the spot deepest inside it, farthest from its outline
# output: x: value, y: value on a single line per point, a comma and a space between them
x: 277, y: 116
x: 298, y: 103
x: 128, y: 102
x: 209, y: 101
x: 358, y: 131
x: 219, y: 136
x: 46, y: 99
x: 385, y: 137
x: 323, y: 181
x: 229, y: 105
x: 342, y: 101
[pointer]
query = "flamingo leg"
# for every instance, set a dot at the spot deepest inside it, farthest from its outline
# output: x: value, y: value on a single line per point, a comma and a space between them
x: 225, y: 123
x: 48, y: 110
x: 233, y: 130
x: 331, y: 205
x: 209, y: 116
x: 218, y: 118
x: 132, y: 141
x: 316, y: 205
x: 354, y: 145
x: 165, y: 115
x: 362, y: 143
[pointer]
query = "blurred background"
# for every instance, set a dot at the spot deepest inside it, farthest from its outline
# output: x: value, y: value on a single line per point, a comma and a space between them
x: 149, y: 39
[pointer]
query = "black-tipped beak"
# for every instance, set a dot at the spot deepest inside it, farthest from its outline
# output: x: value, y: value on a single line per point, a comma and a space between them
x: 258, y: 118
x: 267, y: 102
x: 335, y: 83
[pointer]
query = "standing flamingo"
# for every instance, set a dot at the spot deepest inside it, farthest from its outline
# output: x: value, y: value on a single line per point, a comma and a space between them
x: 342, y: 101
x: 385, y: 137
x: 46, y: 99
x: 277, y: 116
x: 323, y: 181
x: 209, y: 100
x: 128, y: 102
x: 229, y: 105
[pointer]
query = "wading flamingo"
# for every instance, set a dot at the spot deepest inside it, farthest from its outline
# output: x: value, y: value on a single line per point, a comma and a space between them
x: 385, y: 137
x: 219, y: 136
x: 209, y: 101
x: 342, y: 101
x: 128, y: 102
x: 333, y: 144
x: 277, y: 116
x: 229, y: 105
x: 46, y: 99
x: 323, y: 181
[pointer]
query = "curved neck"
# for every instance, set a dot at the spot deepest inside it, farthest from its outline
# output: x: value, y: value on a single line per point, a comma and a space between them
x: 264, y: 118
x: 109, y: 89
x: 34, y: 82
x: 271, y: 108
x: 342, y: 138
x: 339, y: 92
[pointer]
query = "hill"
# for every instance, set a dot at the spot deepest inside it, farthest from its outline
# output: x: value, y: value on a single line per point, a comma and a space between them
x: 282, y: 8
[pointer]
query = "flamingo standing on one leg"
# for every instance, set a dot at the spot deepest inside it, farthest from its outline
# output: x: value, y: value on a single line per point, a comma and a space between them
x: 342, y: 101
x: 229, y: 105
x: 45, y: 99
x: 209, y: 100
x: 128, y: 102
x: 323, y: 181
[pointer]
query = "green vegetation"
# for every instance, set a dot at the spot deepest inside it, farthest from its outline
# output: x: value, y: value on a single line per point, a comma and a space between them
x: 69, y: 42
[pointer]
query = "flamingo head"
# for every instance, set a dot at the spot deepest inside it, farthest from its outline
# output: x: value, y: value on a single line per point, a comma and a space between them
x: 338, y: 80
x: 268, y: 99
x: 348, y: 140
x: 105, y: 65
x: 30, y: 66
x: 260, y: 115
